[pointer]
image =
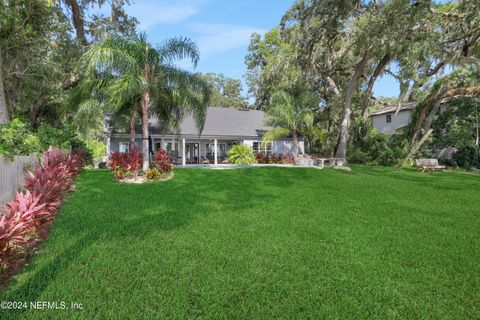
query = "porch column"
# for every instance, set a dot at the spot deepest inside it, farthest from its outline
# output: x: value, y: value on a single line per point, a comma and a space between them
x: 108, y: 146
x: 184, y: 161
x: 175, y: 154
x: 163, y: 143
x: 215, y: 151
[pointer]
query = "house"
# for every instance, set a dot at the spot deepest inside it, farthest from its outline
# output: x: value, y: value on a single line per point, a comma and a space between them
x: 224, y: 127
x: 389, y: 120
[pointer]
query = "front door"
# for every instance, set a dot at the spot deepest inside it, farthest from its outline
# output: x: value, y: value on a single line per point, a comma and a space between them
x: 192, y: 153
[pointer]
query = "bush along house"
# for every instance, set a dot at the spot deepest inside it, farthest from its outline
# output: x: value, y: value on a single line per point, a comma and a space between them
x: 224, y: 127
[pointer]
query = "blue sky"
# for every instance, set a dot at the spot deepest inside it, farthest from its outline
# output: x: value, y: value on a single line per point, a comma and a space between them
x: 222, y: 30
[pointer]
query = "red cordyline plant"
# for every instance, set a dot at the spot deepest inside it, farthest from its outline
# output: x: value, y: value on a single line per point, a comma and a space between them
x: 161, y: 159
x: 27, y: 218
x: 21, y: 220
x: 74, y: 162
x: 48, y: 185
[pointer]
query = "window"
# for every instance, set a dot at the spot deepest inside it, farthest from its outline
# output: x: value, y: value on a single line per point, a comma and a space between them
x: 123, y: 147
x: 262, y: 147
x: 221, y: 149
x: 268, y: 147
x: 389, y: 118
x: 256, y: 147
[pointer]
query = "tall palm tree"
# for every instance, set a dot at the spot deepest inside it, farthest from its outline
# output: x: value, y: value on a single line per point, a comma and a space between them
x: 132, y: 72
x: 290, y: 113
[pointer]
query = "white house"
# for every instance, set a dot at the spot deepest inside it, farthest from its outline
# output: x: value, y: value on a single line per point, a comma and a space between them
x: 389, y: 120
x: 224, y: 127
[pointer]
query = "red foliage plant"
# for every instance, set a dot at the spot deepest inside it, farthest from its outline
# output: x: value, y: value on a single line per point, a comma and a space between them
x: 117, y: 160
x: 275, y: 158
x: 20, y: 221
x: 27, y: 218
x: 134, y: 160
x: 161, y: 159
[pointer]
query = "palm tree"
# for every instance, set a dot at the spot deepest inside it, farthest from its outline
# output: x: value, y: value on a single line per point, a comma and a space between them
x: 132, y: 72
x: 290, y: 114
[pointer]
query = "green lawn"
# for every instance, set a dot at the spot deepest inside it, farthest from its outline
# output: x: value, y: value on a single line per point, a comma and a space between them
x: 262, y: 243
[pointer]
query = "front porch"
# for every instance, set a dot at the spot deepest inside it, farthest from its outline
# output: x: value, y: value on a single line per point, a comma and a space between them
x: 194, y: 151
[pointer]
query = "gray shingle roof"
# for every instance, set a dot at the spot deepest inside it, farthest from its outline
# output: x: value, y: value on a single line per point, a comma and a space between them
x: 218, y: 122
x: 227, y: 122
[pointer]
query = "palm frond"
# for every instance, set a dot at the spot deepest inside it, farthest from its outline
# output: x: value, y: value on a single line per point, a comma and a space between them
x: 179, y: 49
x: 275, y: 134
x: 112, y: 55
x: 180, y: 93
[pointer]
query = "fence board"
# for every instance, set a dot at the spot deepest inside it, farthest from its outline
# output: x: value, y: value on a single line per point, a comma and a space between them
x: 12, y: 174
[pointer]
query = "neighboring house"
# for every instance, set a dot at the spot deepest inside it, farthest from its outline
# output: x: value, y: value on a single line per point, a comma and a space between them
x: 224, y: 127
x: 389, y: 120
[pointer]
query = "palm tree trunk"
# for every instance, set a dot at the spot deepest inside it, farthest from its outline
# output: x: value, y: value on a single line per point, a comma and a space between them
x: 295, y: 143
x: 145, y: 133
x: 4, y: 118
x: 133, y: 132
x: 347, y: 110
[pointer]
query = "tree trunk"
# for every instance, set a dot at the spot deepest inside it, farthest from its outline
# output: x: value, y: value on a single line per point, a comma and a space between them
x: 78, y: 22
x: 133, y: 128
x: 4, y: 117
x: 430, y: 103
x: 347, y: 110
x: 295, y: 143
x: 145, y: 133
x: 428, y: 121
x: 381, y: 65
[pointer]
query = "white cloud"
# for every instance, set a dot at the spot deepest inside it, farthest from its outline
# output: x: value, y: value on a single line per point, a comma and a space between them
x: 217, y: 38
x: 151, y: 13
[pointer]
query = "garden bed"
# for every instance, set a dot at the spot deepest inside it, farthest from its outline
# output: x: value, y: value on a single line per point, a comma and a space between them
x: 143, y: 179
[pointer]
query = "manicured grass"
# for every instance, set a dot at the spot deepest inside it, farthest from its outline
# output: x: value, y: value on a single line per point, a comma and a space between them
x: 262, y: 243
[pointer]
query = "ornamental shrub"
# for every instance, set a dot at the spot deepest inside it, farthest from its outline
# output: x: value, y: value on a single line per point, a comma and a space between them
x: 133, y: 160
x: 241, y: 154
x: 275, y: 158
x: 26, y: 219
x: 117, y: 160
x: 162, y: 161
x: 153, y: 174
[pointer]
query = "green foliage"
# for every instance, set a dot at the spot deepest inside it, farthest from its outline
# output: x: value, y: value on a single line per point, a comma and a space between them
x: 457, y: 127
x: 467, y: 157
x: 226, y: 92
x: 379, y: 149
x: 241, y: 154
x: 291, y: 113
x: 17, y: 139
x: 63, y: 137
x: 97, y: 148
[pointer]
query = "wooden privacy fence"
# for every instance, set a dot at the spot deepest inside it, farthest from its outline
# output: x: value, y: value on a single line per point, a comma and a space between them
x: 12, y: 172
